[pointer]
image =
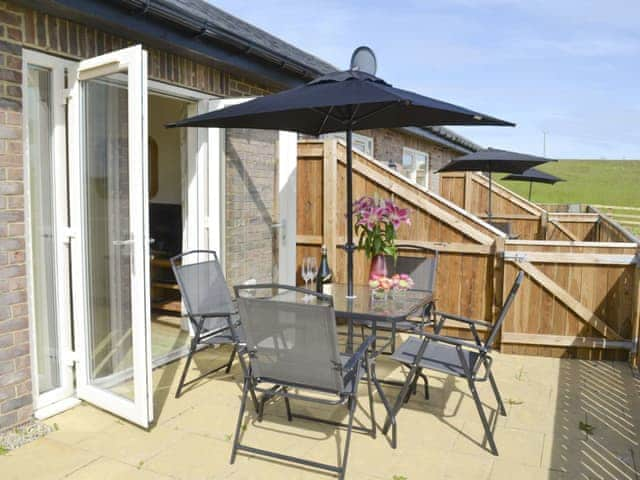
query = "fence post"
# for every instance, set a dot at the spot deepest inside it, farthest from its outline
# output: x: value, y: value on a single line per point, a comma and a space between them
x: 544, y: 221
x: 468, y: 186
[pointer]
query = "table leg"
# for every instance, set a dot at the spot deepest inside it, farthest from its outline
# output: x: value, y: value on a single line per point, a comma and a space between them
x: 391, y: 417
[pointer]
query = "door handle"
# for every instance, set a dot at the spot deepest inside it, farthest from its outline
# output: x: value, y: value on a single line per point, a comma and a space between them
x: 123, y: 242
x: 283, y: 229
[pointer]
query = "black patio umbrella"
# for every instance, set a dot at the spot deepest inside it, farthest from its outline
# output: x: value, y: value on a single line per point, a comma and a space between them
x: 341, y: 102
x: 534, y: 175
x: 492, y: 160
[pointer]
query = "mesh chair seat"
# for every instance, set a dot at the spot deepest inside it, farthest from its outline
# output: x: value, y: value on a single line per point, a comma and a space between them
x: 457, y: 357
x: 209, y: 307
x: 437, y: 356
x: 225, y: 336
x: 292, y: 345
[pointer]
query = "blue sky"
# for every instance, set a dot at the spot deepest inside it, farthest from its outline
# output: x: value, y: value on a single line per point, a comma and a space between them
x: 567, y: 67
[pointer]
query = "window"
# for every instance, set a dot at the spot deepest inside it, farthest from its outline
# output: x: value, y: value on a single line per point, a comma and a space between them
x: 415, y: 165
x: 360, y: 142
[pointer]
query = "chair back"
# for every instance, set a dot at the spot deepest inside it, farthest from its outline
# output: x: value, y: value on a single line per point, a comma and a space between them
x: 290, y: 342
x: 203, y: 287
x: 422, y: 269
x: 505, y: 309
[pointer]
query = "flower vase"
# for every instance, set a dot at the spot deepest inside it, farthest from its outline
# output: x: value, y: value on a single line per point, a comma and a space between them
x: 378, y: 268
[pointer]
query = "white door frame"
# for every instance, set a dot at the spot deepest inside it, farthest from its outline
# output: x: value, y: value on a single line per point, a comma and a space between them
x: 132, y: 60
x: 196, y: 190
x: 287, y: 195
x: 47, y: 401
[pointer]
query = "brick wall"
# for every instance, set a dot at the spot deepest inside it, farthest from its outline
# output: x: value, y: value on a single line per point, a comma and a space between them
x: 388, y: 144
x: 25, y: 27
x: 15, y: 373
x: 251, y: 205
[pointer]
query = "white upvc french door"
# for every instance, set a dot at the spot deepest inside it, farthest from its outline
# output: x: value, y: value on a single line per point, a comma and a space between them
x: 47, y: 229
x: 110, y: 253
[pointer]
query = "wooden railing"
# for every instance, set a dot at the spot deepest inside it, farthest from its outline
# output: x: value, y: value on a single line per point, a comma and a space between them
x: 580, y: 298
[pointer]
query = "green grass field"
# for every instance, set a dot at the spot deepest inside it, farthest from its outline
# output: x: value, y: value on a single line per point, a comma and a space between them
x: 604, y: 182
x: 600, y: 182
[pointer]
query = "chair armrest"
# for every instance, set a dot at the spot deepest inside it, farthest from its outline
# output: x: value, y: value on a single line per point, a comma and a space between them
x: 356, y: 357
x: 458, y: 342
x: 459, y: 318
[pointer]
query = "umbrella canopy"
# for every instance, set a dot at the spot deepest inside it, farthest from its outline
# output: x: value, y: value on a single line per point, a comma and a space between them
x: 534, y: 175
x: 341, y: 102
x: 494, y: 160
x: 338, y: 102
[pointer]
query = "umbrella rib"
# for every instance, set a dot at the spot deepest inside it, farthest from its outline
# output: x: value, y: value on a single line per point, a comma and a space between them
x: 375, y: 112
x: 328, y: 114
x: 353, y: 115
x: 324, y: 120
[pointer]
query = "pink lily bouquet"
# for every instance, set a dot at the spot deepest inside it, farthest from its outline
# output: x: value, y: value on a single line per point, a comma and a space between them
x: 377, y: 222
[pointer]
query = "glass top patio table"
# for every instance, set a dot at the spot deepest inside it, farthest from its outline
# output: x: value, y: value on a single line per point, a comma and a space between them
x: 393, y: 308
x: 363, y: 307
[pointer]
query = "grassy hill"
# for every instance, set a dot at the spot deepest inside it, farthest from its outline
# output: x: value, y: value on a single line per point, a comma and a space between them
x: 604, y: 182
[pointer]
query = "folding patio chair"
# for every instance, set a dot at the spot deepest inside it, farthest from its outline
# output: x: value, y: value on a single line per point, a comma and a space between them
x: 422, y: 270
x: 292, y: 348
x: 455, y: 356
x: 209, y: 306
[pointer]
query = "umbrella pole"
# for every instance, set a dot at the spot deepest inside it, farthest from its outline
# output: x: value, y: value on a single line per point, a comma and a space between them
x: 349, y: 246
x: 530, y: 186
x: 489, y: 212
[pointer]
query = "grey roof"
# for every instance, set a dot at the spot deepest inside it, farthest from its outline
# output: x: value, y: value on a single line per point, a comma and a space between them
x: 445, y: 137
x: 236, y: 27
x: 454, y: 137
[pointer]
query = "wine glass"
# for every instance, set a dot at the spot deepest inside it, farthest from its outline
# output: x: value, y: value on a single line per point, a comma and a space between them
x: 313, y: 269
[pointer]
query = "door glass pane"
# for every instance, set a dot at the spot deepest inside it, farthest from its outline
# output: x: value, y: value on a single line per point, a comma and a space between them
x: 42, y: 225
x: 108, y: 238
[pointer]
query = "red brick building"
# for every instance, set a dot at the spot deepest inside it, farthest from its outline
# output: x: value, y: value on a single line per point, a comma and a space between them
x: 81, y: 212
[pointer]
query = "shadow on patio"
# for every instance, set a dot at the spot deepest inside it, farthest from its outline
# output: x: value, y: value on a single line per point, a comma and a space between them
x: 540, y: 438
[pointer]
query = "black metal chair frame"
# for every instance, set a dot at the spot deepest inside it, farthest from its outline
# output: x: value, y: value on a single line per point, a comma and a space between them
x: 482, y: 349
x: 359, y: 363
x: 198, y: 320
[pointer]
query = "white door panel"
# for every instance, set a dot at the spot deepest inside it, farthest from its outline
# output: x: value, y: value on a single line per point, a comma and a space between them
x: 109, y: 192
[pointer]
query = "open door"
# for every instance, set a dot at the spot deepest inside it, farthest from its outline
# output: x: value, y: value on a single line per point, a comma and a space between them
x: 110, y: 251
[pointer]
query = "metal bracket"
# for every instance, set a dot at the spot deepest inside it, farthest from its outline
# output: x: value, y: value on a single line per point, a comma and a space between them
x: 70, y: 358
x: 515, y: 256
x: 68, y: 235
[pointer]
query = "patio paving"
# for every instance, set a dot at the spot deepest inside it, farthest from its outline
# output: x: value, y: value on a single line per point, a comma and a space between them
x: 540, y: 438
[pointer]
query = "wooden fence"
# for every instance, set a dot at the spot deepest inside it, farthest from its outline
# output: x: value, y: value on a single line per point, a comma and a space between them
x: 579, y: 299
x: 465, y: 243
x: 528, y: 220
x: 577, y: 295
